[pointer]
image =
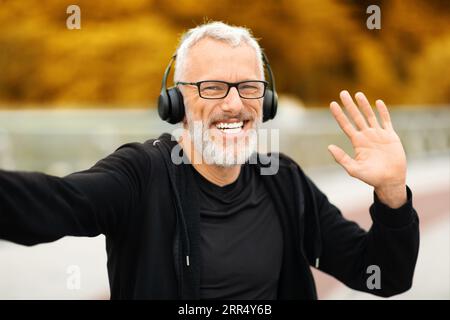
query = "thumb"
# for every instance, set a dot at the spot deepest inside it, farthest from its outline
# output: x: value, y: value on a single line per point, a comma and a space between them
x: 342, y: 158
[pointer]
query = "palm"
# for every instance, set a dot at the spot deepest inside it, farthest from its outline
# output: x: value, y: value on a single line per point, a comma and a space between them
x: 379, y: 157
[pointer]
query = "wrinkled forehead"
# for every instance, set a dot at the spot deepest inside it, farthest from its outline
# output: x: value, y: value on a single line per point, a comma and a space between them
x: 215, y: 59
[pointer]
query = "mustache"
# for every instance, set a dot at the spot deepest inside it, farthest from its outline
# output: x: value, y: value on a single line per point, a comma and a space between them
x: 241, y: 116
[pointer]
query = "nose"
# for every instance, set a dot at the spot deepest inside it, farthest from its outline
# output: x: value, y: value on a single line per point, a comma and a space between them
x: 232, y: 102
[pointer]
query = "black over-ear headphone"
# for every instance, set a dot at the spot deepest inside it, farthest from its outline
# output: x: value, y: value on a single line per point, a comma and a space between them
x: 171, y: 107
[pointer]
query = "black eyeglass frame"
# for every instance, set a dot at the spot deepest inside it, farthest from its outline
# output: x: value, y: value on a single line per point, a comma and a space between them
x: 229, y: 84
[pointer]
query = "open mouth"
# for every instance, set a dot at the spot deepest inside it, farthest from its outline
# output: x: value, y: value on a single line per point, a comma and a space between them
x: 230, y: 127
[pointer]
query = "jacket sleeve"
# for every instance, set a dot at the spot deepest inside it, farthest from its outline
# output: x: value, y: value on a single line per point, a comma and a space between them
x: 353, y: 255
x: 37, y: 208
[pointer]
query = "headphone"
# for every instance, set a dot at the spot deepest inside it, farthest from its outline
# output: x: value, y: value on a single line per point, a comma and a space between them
x: 171, y: 107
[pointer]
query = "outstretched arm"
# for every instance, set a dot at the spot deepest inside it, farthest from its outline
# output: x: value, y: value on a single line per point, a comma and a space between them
x: 37, y: 208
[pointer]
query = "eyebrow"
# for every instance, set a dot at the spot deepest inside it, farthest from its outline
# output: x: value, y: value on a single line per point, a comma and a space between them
x: 221, y: 79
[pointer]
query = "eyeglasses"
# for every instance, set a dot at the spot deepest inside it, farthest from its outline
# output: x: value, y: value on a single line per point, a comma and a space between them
x: 216, y: 89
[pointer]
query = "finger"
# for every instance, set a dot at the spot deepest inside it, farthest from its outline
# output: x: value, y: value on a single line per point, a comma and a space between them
x: 353, y: 111
x: 367, y: 110
x: 342, y: 119
x: 342, y: 158
x: 384, y: 114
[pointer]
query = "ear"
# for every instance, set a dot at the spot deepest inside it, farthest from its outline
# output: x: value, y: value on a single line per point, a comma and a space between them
x: 184, y: 121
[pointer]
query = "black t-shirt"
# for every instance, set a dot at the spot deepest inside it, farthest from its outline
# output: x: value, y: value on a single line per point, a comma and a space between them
x: 241, y: 239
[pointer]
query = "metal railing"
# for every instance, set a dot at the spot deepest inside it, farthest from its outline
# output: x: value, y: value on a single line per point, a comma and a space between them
x: 63, y: 141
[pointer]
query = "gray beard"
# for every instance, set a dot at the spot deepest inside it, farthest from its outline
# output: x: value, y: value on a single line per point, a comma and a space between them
x: 223, y: 154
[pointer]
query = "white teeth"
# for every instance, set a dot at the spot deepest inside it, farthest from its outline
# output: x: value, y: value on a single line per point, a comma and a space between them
x: 229, y: 125
x: 233, y: 130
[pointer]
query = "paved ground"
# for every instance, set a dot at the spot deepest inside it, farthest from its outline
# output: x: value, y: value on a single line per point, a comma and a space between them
x: 43, y: 271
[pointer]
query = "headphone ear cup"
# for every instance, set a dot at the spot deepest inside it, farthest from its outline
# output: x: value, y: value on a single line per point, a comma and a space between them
x: 270, y: 105
x: 176, y: 105
x: 164, y: 105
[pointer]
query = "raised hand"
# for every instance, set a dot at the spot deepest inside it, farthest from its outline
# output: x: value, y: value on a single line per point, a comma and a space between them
x: 379, y: 159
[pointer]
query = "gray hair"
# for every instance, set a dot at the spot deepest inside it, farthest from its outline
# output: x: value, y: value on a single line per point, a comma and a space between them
x: 220, y: 31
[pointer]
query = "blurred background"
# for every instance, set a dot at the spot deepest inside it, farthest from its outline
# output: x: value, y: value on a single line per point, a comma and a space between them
x: 70, y: 97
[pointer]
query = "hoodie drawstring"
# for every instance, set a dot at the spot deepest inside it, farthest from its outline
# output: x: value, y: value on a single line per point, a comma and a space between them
x: 185, y: 235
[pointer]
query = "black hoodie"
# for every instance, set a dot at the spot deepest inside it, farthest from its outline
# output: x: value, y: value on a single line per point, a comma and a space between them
x: 146, y: 206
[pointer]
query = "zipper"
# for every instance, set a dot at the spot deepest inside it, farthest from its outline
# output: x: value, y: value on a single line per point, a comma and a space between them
x: 178, y: 245
x: 300, y: 249
x: 177, y: 258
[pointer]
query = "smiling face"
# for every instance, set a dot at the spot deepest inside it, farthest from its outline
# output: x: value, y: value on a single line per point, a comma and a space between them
x: 222, y: 130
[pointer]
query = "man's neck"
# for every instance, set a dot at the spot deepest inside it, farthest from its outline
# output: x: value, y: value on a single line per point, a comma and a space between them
x: 218, y: 175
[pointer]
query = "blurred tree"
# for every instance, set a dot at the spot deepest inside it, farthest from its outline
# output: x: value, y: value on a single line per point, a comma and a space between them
x: 115, y: 58
x: 430, y: 82
x: 316, y: 48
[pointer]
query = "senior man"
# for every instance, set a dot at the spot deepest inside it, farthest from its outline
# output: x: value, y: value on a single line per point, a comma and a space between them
x: 212, y: 226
